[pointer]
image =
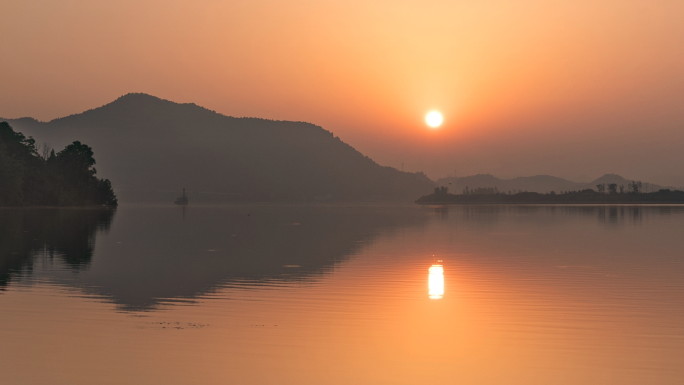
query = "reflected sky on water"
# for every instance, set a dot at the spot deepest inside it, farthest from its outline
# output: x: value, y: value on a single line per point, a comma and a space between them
x: 337, y: 294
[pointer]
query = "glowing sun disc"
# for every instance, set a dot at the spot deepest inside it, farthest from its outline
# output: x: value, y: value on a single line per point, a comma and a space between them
x: 434, y: 119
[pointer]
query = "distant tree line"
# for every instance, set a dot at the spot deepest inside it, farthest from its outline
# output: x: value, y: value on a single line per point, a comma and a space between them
x: 634, y: 187
x: 612, y: 188
x: 482, y: 191
x: 606, y: 194
x: 31, y: 176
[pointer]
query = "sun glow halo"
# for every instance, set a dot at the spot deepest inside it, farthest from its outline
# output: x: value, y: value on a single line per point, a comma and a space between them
x: 433, y: 119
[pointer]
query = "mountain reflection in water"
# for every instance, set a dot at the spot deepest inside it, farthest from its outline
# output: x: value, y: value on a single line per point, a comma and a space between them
x: 330, y: 294
x: 65, y: 234
x: 158, y: 254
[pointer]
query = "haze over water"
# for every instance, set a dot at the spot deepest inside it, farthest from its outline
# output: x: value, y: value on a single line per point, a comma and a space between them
x: 338, y: 294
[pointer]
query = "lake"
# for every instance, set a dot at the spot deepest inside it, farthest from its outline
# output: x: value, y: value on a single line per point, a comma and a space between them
x: 342, y: 294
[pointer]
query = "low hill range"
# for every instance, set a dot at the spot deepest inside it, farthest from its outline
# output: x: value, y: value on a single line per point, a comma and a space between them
x: 538, y: 183
x: 151, y: 148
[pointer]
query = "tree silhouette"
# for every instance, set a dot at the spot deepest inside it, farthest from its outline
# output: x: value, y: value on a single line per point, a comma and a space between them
x: 65, y: 178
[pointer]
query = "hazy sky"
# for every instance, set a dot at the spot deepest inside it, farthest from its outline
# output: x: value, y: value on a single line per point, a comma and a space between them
x: 574, y: 89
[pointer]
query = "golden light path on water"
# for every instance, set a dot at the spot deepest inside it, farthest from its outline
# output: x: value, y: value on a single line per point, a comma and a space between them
x: 436, y: 281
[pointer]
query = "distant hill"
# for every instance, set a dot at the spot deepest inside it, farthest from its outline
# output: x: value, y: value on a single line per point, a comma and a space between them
x: 538, y: 183
x: 151, y: 148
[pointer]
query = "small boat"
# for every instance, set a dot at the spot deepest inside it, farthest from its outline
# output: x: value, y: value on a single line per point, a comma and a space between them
x: 183, y: 200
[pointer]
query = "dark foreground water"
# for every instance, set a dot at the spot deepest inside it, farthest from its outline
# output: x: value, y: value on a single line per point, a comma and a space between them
x: 342, y: 295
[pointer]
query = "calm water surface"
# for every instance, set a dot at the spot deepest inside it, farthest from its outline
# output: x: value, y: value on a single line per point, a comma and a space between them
x: 342, y: 295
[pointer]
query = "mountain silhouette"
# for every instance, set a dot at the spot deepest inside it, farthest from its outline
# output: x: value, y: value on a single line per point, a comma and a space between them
x: 537, y: 183
x: 151, y: 148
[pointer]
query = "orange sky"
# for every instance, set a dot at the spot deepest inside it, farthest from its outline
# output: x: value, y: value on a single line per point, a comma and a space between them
x: 574, y: 89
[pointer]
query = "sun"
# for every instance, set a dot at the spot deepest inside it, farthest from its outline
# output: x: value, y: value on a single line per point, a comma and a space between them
x: 434, y: 119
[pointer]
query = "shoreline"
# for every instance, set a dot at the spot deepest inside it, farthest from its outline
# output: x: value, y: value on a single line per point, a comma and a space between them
x: 59, y: 207
x: 549, y: 204
x: 586, y: 197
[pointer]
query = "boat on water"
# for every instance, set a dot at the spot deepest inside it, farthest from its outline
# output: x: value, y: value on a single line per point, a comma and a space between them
x: 183, y: 200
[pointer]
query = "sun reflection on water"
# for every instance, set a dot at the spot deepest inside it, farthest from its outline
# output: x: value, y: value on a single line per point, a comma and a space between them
x: 436, y: 281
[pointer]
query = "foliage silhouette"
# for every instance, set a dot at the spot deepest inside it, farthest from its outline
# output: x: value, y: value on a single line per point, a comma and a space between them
x: 63, y: 179
x: 612, y: 188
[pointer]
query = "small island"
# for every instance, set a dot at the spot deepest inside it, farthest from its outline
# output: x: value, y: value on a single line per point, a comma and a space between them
x: 604, y: 194
x: 37, y: 176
